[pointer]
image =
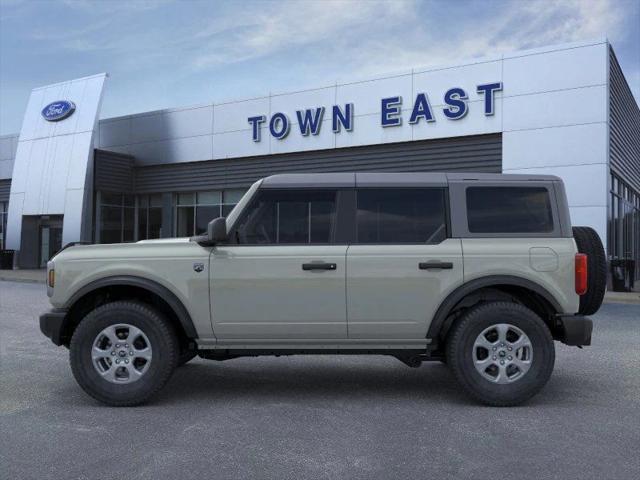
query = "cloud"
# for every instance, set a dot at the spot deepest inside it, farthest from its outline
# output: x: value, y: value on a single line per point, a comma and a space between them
x: 182, y: 52
x: 374, y: 37
x: 289, y: 26
x: 514, y: 26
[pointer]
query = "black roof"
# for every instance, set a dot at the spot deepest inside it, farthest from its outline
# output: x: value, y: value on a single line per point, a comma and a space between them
x: 382, y: 179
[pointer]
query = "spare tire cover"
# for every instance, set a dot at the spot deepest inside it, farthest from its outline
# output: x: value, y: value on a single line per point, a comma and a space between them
x: 588, y: 242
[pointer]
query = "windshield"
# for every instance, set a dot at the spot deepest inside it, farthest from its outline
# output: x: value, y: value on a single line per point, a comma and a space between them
x: 233, y: 215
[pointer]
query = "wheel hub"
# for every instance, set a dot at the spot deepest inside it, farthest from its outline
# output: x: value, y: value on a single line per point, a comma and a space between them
x: 502, y: 353
x: 121, y: 353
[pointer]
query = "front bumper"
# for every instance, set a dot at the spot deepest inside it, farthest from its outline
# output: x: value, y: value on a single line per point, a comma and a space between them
x: 575, y: 330
x: 52, y: 324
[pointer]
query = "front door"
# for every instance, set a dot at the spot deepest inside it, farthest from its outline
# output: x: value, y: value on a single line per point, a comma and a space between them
x: 50, y: 240
x: 402, y: 264
x: 282, y: 276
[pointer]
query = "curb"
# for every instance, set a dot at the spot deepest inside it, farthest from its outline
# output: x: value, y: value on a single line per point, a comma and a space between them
x: 629, y: 301
x: 20, y: 280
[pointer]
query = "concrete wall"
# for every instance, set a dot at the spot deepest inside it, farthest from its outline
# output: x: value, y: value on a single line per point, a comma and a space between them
x: 222, y: 131
x: 8, y: 147
x: 555, y: 122
x: 52, y: 171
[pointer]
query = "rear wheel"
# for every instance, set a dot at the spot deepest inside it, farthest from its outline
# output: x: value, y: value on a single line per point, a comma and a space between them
x: 502, y: 353
x: 123, y: 352
x: 588, y: 242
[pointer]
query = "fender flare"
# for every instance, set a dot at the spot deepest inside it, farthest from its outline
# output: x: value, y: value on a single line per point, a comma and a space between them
x: 152, y: 286
x: 439, y: 319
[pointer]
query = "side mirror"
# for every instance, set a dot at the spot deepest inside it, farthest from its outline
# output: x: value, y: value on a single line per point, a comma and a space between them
x: 217, y: 230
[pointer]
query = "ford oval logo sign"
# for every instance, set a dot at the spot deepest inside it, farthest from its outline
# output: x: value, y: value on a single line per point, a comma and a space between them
x: 56, y: 111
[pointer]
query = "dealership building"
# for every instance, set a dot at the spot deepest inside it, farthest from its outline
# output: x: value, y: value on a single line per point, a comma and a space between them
x: 565, y: 110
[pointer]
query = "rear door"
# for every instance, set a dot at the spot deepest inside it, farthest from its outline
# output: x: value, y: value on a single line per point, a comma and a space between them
x: 283, y: 276
x: 402, y: 263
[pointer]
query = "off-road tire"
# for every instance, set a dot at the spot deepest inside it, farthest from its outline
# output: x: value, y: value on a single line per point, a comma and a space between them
x: 163, y: 341
x: 186, y: 356
x: 588, y: 242
x: 459, y: 351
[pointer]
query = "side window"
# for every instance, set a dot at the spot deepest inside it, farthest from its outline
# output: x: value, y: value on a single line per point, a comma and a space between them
x: 408, y: 215
x: 509, y: 210
x: 288, y: 217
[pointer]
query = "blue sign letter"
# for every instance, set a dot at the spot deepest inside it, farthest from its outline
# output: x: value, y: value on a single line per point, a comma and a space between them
x: 255, y: 125
x: 488, y: 90
x: 390, y: 108
x: 279, y: 125
x: 421, y: 109
x: 310, y: 122
x: 456, y: 99
x: 345, y: 119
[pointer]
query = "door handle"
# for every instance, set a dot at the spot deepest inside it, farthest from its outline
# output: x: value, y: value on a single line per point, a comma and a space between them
x: 319, y: 266
x: 436, y: 265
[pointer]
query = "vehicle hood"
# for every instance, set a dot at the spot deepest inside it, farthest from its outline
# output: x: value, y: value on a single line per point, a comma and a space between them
x: 117, y: 251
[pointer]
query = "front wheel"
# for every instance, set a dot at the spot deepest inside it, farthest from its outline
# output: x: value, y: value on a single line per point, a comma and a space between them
x: 123, y: 352
x: 502, y: 353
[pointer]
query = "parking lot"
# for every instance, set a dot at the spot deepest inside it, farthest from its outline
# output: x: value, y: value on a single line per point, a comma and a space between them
x: 317, y: 417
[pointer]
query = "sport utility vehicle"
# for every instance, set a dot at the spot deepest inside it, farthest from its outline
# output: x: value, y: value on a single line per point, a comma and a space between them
x: 482, y: 272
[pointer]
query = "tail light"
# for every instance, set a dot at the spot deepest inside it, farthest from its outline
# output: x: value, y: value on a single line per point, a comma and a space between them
x: 581, y: 273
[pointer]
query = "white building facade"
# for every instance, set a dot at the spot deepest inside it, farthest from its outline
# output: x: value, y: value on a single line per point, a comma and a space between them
x: 563, y: 110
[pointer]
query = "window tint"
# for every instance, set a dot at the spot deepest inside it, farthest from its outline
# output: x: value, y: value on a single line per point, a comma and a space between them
x: 401, y: 215
x: 509, y: 210
x: 285, y: 217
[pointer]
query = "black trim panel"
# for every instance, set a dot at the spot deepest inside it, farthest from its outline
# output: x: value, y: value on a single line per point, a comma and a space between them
x: 52, y: 324
x: 575, y: 330
x: 174, y: 302
x: 467, y: 288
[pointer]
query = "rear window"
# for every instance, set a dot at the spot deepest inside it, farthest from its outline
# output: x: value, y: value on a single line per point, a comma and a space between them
x: 509, y: 210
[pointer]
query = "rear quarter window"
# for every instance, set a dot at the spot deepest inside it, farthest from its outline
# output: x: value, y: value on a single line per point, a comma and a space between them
x: 509, y: 210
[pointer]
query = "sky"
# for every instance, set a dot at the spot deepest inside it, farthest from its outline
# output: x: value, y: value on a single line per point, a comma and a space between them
x: 171, y: 53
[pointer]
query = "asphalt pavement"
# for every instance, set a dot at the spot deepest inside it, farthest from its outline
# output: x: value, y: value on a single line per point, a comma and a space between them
x: 333, y: 417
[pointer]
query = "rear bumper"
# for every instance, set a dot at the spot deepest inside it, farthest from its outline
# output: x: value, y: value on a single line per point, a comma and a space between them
x: 52, y: 323
x: 575, y: 330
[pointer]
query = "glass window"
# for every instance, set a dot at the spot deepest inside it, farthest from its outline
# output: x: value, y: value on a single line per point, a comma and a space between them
x: 3, y: 224
x: 155, y: 200
x: 185, y: 221
x: 624, y: 224
x: 110, y: 224
x: 149, y: 216
x: 117, y: 217
x: 230, y: 199
x: 194, y: 211
x: 128, y: 224
x: 509, y: 210
x: 389, y: 215
x: 186, y: 199
x: 204, y: 214
x: 155, y: 223
x: 209, y: 198
x: 289, y: 217
x: 143, y: 218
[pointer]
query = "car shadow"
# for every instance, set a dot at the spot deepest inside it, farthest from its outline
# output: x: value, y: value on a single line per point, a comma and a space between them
x: 328, y: 379
x: 273, y: 381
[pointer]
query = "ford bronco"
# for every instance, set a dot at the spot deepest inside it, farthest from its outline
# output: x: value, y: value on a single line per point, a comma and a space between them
x: 480, y: 271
